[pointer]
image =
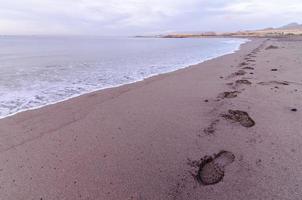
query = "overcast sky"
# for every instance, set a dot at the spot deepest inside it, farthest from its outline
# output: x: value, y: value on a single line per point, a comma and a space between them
x: 129, y: 17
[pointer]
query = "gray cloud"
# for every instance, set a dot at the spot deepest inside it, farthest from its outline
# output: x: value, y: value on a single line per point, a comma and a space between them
x: 127, y: 17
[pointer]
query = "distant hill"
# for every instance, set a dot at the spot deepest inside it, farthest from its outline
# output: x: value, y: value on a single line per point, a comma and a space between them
x: 292, y: 29
x: 291, y: 26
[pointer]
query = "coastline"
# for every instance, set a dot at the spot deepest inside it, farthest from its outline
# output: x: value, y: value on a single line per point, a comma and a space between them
x: 120, y: 85
x: 141, y: 140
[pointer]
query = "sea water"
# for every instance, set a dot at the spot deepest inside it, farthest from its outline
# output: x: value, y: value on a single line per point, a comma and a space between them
x: 37, y: 71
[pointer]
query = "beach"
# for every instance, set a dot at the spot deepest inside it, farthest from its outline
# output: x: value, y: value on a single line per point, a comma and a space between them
x: 145, y: 140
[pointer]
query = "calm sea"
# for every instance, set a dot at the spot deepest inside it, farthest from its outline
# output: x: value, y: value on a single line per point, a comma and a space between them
x: 37, y: 71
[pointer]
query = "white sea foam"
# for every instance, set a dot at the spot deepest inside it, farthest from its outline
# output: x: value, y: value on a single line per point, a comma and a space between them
x: 38, y: 71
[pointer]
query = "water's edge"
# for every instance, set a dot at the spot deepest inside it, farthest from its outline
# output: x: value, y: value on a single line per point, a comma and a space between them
x: 131, y: 82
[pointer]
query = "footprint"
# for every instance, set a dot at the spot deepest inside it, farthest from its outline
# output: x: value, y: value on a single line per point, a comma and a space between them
x: 250, y: 60
x: 211, y: 170
x: 238, y: 73
x: 271, y: 47
x: 240, y: 116
x: 228, y: 95
x: 210, y: 130
x: 243, y: 64
x: 251, y: 68
x: 243, y: 81
x: 274, y: 82
x: 237, y: 83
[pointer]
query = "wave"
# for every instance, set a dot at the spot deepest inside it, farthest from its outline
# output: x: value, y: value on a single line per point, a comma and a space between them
x: 41, y: 83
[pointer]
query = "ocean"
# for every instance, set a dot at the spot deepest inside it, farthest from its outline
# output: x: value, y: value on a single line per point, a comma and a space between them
x: 36, y: 71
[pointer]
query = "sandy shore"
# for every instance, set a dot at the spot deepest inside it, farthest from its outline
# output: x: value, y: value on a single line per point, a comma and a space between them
x: 145, y: 140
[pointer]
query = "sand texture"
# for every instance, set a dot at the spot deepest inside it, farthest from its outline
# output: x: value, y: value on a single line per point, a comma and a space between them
x: 150, y: 140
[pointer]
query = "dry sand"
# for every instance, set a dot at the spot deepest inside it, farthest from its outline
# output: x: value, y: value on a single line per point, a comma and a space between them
x: 145, y: 140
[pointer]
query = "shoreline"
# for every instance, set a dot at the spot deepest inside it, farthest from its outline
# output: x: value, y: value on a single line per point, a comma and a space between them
x: 124, y: 84
x: 145, y: 140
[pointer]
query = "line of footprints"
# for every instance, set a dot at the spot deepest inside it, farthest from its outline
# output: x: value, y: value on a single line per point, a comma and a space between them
x: 211, y: 169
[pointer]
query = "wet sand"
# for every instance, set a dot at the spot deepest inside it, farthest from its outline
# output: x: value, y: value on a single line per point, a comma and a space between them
x: 149, y: 140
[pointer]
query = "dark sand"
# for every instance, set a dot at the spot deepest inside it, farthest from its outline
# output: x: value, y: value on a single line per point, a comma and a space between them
x: 145, y: 140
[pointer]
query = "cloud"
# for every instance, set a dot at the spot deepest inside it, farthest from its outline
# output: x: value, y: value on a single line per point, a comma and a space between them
x: 104, y: 17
